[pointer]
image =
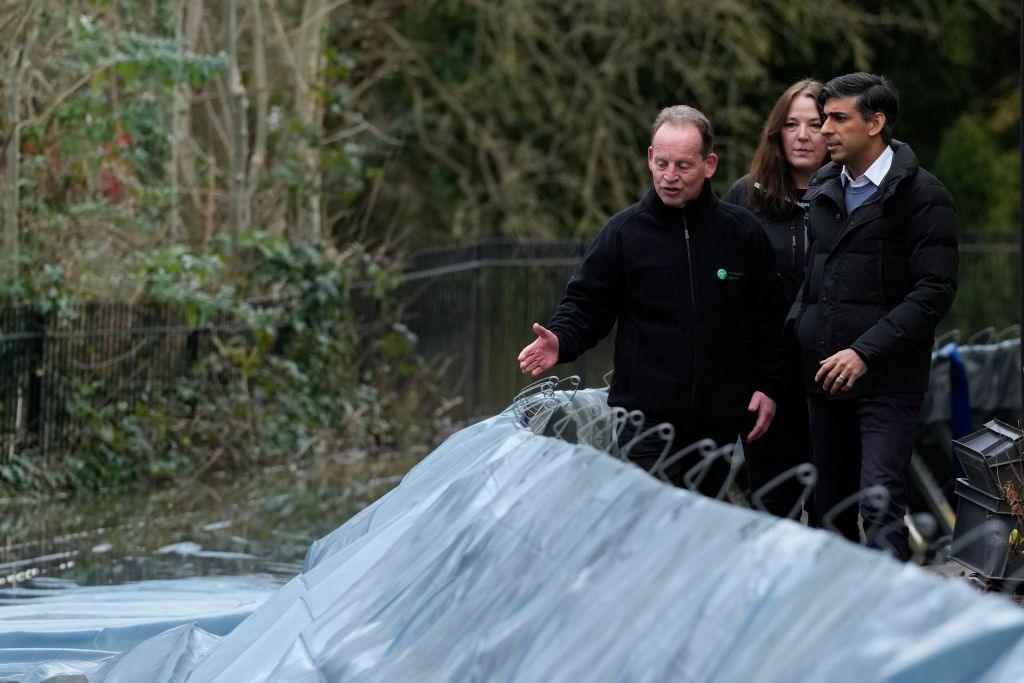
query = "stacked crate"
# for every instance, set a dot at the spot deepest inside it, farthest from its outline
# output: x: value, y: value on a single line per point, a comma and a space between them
x: 988, y: 537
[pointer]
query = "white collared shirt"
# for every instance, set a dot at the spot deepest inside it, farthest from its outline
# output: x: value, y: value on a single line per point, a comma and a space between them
x: 875, y: 174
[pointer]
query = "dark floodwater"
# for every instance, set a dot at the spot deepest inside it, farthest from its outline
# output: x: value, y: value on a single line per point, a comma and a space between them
x: 251, y: 523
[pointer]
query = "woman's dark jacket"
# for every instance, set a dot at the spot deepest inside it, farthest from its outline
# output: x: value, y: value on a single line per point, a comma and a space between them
x: 698, y: 304
x: 880, y: 279
x: 787, y: 232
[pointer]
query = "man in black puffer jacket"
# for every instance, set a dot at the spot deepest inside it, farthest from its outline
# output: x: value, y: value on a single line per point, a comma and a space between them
x: 691, y: 283
x: 881, y: 274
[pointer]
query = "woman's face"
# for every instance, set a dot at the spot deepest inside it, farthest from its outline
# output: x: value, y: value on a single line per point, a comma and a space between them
x: 802, y: 141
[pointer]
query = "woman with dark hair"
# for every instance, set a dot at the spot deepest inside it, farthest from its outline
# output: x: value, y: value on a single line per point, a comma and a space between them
x: 790, y: 151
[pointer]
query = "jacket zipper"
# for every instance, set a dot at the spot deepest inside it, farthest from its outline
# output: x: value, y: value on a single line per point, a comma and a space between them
x: 693, y: 306
x: 792, y: 237
x: 807, y: 236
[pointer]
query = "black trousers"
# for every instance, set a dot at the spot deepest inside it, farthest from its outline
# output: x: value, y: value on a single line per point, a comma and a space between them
x: 862, y: 442
x: 687, y: 431
x: 785, y: 445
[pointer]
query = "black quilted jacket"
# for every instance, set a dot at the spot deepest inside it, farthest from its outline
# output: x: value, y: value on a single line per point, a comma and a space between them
x: 879, y: 280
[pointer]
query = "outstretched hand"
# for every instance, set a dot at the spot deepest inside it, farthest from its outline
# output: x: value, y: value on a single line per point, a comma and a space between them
x: 542, y: 354
x: 764, y: 406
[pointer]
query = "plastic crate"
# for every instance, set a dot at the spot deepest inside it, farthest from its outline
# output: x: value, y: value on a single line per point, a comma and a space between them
x: 989, y: 553
x: 965, y: 489
x: 991, y: 457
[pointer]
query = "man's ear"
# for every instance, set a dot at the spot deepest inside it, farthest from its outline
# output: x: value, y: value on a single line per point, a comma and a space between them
x: 712, y: 164
x: 876, y: 124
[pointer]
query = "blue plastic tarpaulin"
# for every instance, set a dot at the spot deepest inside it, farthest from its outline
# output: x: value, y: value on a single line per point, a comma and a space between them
x: 64, y: 628
x: 506, y: 555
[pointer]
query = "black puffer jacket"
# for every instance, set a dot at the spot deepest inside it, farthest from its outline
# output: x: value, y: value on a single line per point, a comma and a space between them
x: 788, y: 234
x: 698, y: 304
x: 880, y: 279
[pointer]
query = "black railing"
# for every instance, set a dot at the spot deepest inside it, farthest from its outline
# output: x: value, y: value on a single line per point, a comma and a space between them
x: 474, y: 306
x: 101, y: 352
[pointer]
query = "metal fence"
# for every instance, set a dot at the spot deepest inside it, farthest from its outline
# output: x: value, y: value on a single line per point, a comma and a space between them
x: 474, y: 306
x: 106, y: 351
x: 470, y: 306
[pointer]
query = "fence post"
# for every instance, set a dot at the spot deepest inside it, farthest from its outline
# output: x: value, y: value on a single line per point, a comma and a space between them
x: 475, y: 393
x: 192, y: 349
x: 36, y: 368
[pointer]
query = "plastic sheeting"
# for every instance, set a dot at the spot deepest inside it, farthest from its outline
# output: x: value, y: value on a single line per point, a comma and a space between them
x: 506, y: 555
x: 70, y: 627
x: 992, y: 378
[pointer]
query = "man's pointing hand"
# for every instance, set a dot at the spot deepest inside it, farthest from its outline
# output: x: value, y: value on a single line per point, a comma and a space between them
x: 542, y: 354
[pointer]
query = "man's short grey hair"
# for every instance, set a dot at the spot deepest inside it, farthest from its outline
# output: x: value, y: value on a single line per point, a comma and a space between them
x: 679, y: 114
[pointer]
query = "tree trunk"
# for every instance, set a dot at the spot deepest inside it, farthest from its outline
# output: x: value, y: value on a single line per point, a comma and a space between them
x: 259, y: 58
x: 181, y: 171
x: 309, y: 55
x: 178, y: 124
x: 238, y: 207
x: 20, y: 49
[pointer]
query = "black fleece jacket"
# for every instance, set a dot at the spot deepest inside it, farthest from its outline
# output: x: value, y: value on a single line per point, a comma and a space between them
x: 880, y: 279
x: 698, y: 303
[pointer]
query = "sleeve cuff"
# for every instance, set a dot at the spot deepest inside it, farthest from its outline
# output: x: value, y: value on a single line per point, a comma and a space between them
x: 863, y: 355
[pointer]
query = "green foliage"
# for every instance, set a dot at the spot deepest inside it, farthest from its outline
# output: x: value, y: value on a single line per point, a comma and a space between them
x: 456, y: 119
x: 289, y: 371
x: 129, y: 138
x: 979, y: 161
x: 97, y: 147
x: 193, y: 282
x: 135, y: 56
x: 530, y: 118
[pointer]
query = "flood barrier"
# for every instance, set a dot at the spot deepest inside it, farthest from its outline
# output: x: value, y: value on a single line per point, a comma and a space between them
x: 508, y: 555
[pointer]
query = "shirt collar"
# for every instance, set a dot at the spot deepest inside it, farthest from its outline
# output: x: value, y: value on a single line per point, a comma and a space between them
x: 875, y: 174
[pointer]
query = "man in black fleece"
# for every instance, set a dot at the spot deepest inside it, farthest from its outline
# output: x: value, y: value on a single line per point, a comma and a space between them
x: 692, y: 285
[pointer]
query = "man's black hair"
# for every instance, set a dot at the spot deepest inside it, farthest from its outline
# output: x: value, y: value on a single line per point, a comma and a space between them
x: 874, y: 94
